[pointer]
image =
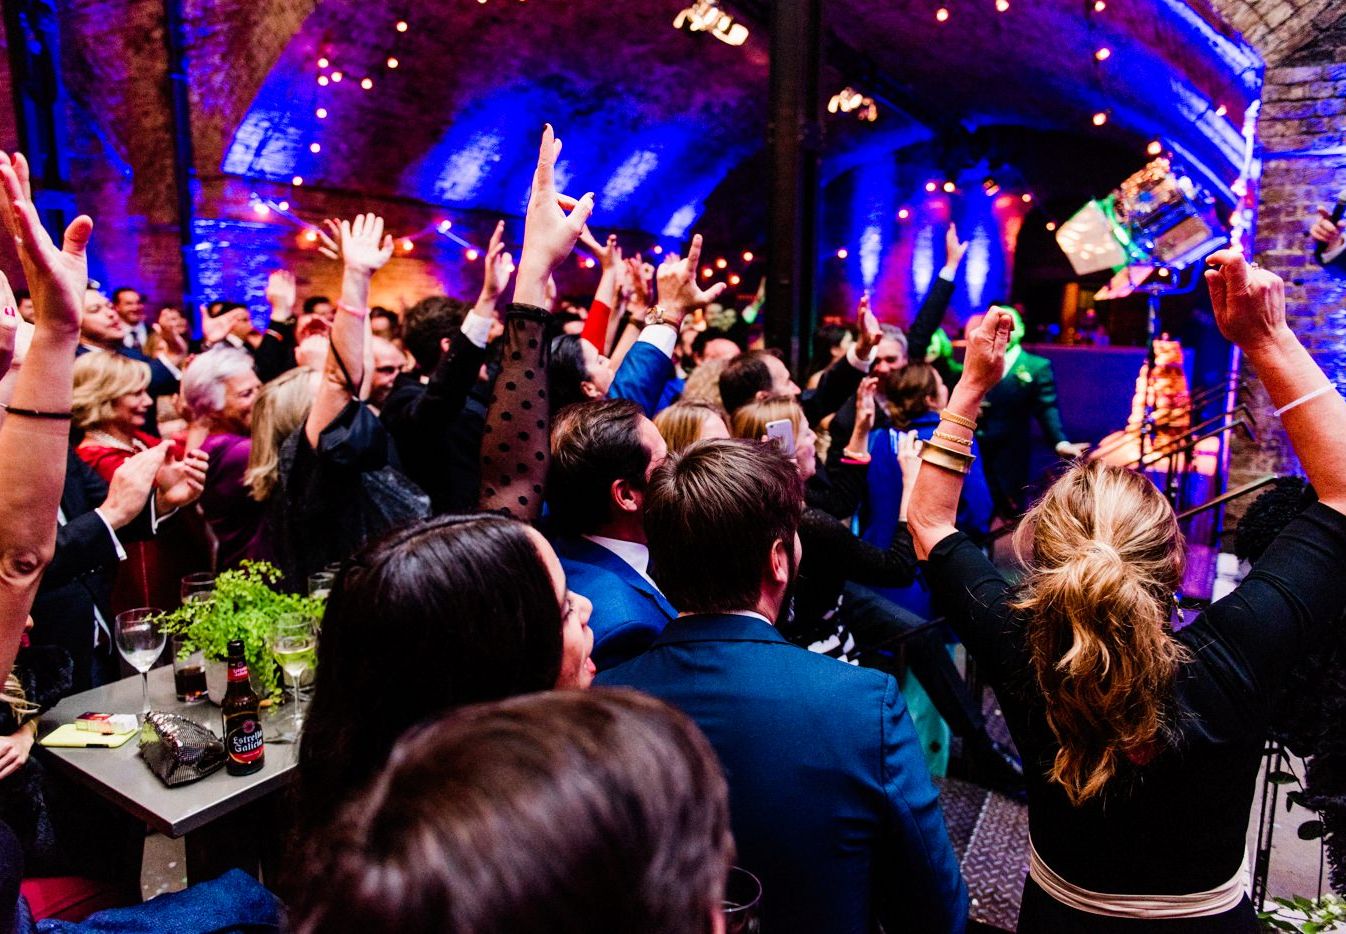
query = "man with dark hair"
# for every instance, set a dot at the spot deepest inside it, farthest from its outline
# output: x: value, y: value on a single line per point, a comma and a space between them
x: 831, y: 804
x: 602, y: 453
x: 25, y: 301
x: 130, y: 306
x: 102, y: 328
x: 1329, y: 238
x: 320, y: 306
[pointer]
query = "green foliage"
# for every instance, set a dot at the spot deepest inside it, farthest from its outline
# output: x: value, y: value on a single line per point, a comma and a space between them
x: 1306, y: 916
x: 246, y: 605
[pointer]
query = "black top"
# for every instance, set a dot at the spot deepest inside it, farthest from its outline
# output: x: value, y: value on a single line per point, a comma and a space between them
x: 1176, y: 825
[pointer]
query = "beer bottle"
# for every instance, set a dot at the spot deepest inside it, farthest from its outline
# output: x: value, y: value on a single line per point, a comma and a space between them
x: 244, y: 750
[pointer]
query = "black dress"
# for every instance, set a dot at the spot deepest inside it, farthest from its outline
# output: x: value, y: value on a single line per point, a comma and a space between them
x: 1178, y: 824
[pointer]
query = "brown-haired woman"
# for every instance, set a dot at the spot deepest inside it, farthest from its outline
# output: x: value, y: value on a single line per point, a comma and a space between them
x: 684, y: 423
x: 563, y: 813
x: 1141, y: 745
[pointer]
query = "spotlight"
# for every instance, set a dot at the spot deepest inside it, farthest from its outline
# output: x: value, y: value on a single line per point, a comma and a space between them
x: 1100, y: 118
x: 315, y: 147
x: 942, y: 15
x: 706, y: 16
x: 747, y: 256
x: 322, y: 80
x: 311, y: 236
x: 735, y: 279
x: 297, y: 181
x: 843, y: 253
x: 903, y: 214
x: 950, y: 187
x: 1155, y: 148
x: 1103, y: 54
x: 366, y: 83
x: 321, y: 113
x: 472, y: 255
x: 284, y: 206
x: 337, y: 76
x: 392, y: 62
x: 407, y: 245
x: 444, y: 226
x: 323, y: 63
x: 930, y: 186
x: 707, y: 273
x: 402, y: 25
x: 991, y: 187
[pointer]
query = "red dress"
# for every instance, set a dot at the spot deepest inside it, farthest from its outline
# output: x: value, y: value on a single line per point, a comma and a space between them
x: 151, y: 573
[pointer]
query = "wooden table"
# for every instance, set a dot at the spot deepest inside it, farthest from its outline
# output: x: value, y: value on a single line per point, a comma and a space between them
x: 228, y: 822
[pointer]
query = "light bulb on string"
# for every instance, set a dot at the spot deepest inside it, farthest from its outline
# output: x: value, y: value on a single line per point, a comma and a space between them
x: 337, y: 76
x: 707, y: 273
x: 323, y: 63
x: 1100, y: 6
x: 1002, y: 6
x: 472, y: 255
x: 721, y: 263
x: 284, y: 206
x: 735, y: 279
x: 260, y: 209
x: 1103, y: 54
x: 322, y: 80
x: 903, y: 214
x: 311, y: 235
x: 1051, y: 225
x: 950, y: 187
x: 930, y: 186
x: 1026, y: 198
x: 1100, y: 118
x: 657, y: 249
x: 1155, y: 148
x: 315, y: 148
x: 1221, y: 110
x: 444, y: 226
x: 942, y: 15
x: 843, y: 253
x: 407, y: 245
x: 747, y: 256
x: 297, y: 181
x: 321, y: 113
x: 366, y: 83
x: 402, y: 25
x: 392, y: 62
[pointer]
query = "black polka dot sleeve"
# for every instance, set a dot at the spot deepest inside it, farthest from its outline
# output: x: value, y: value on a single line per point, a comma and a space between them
x: 515, y: 449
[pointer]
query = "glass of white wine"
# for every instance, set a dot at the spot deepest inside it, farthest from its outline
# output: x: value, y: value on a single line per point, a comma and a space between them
x: 294, y: 646
x: 141, y: 642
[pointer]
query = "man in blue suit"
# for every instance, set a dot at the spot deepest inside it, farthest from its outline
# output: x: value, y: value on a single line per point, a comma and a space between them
x: 101, y: 328
x: 603, y: 452
x: 831, y: 804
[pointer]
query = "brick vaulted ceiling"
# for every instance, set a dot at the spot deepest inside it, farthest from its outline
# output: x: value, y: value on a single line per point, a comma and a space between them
x: 653, y: 119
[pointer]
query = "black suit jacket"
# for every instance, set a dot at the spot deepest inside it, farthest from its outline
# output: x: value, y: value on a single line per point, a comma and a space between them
x: 81, y: 575
x: 1027, y: 391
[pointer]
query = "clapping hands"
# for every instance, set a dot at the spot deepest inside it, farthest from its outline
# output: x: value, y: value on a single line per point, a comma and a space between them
x: 179, y: 483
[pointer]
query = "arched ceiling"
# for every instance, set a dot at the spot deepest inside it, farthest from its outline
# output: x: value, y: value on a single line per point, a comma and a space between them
x: 655, y: 120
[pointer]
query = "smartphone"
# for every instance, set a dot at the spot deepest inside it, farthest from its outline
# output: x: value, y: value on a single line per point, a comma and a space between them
x: 782, y: 431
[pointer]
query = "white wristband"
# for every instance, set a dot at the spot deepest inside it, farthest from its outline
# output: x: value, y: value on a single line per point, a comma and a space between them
x: 1307, y: 397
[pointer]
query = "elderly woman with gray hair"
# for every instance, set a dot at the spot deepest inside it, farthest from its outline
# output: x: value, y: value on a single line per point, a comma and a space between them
x: 218, y: 393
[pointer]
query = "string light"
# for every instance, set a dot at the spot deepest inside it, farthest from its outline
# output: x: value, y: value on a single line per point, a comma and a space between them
x: 297, y: 181
x: 657, y: 249
x: 1155, y: 148
x: 1103, y: 54
x: 735, y: 279
x: 321, y: 113
x: 366, y: 83
x: 472, y: 255
x: 1027, y: 198
x: 843, y: 253
x: 402, y: 25
x: 1051, y: 225
x: 950, y: 187
x: 444, y: 226
x: 1002, y: 6
x: 747, y: 256
x: 1221, y: 110
x: 942, y: 14
x: 1100, y: 6
x: 315, y: 148
x: 311, y: 236
x: 1100, y: 118
x: 260, y: 209
x: 392, y: 62
x: 323, y: 63
x: 284, y: 206
x: 588, y: 262
x: 903, y: 214
x: 721, y: 263
x: 407, y: 245
x: 707, y: 273
x: 337, y: 76
x: 322, y: 80
x: 930, y: 186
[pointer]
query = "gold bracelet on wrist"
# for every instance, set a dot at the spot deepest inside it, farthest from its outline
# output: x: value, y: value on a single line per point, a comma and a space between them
x: 947, y: 458
x: 957, y: 419
x: 945, y: 436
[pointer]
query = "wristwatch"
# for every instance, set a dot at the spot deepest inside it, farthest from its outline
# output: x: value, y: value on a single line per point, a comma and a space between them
x: 655, y: 315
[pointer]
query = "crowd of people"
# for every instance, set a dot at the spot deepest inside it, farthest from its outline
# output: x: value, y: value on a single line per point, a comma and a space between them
x: 621, y: 606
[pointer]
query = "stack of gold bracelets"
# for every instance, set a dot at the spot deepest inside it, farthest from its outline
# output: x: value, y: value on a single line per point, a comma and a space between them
x: 949, y: 450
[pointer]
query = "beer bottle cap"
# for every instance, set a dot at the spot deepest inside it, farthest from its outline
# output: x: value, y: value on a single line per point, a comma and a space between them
x: 235, y: 646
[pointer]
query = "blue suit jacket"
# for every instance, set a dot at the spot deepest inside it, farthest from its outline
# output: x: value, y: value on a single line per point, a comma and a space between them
x: 644, y: 372
x: 629, y: 611
x: 831, y: 803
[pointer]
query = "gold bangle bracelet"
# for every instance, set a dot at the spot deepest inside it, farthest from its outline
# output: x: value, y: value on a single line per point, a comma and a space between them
x: 945, y: 436
x: 941, y: 456
x: 957, y: 419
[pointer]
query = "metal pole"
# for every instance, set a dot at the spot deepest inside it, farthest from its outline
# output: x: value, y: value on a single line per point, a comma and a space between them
x: 794, y: 138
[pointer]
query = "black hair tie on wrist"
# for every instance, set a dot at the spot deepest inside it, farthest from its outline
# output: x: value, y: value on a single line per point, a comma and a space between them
x: 34, y: 413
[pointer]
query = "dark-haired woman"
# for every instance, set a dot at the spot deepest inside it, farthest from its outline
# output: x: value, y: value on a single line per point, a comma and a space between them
x: 566, y: 813
x: 1141, y: 745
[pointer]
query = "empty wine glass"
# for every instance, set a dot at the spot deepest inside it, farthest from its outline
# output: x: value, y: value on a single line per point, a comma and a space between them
x: 141, y: 641
x: 293, y: 644
x: 197, y: 586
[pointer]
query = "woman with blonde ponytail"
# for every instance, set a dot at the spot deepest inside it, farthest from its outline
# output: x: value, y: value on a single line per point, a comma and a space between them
x: 1140, y: 744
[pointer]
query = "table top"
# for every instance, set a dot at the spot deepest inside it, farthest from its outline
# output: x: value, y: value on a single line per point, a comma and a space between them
x: 121, y: 776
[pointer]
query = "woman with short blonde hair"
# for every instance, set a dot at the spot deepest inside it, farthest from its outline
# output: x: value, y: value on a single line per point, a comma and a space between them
x: 103, y: 382
x: 684, y: 423
x: 1141, y: 744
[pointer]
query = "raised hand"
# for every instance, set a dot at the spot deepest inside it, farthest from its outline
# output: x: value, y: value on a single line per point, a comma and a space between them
x: 954, y: 249
x: 549, y: 233
x: 984, y: 364
x: 364, y: 246
x: 1249, y: 303
x: 179, y: 483
x: 56, y: 276
x: 679, y: 294
x: 214, y: 330
x: 499, y: 266
x: 870, y: 335
x: 1325, y: 231
x: 608, y: 254
x: 865, y: 405
x: 908, y: 456
x: 280, y: 294
x: 637, y: 281
x: 175, y: 343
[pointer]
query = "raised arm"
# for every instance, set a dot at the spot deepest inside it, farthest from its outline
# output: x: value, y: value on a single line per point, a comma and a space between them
x: 934, y: 499
x: 363, y: 249
x: 1249, y: 305
x: 35, y: 432
x: 936, y: 301
x: 515, y: 450
x: 605, y: 299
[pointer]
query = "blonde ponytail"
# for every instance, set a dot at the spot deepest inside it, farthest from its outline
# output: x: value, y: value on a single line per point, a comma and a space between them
x: 1107, y: 556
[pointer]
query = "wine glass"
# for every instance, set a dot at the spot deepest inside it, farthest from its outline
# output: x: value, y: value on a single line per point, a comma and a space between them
x: 742, y: 902
x: 320, y: 583
x: 293, y: 644
x: 141, y: 641
x: 197, y: 586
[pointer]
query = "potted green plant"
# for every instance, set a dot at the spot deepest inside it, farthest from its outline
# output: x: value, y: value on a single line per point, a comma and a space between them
x: 245, y: 605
